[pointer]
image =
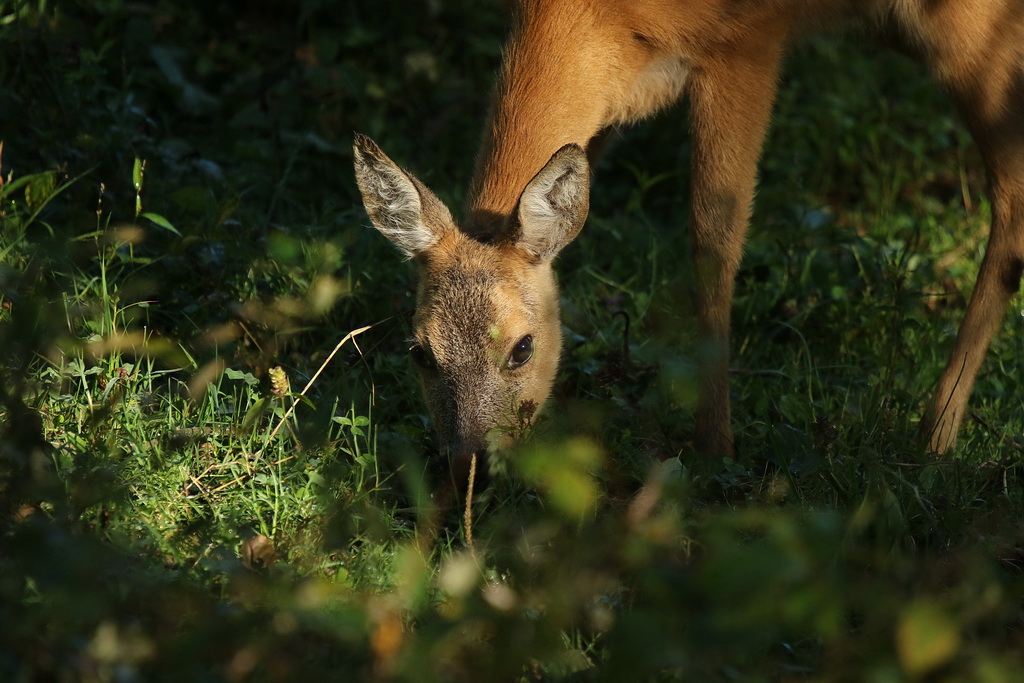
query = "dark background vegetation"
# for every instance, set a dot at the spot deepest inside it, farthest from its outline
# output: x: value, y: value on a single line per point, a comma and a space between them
x: 182, y: 248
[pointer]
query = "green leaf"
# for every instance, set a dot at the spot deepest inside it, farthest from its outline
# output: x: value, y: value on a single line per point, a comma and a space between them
x: 40, y: 189
x: 254, y: 413
x: 137, y: 174
x: 566, y: 472
x: 926, y: 638
x: 238, y: 374
x: 160, y: 221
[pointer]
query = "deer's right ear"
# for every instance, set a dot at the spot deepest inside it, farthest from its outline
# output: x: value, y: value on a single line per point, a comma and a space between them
x: 399, y: 205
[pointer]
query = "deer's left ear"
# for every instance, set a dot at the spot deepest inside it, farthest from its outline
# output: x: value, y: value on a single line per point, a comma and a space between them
x: 401, y: 207
x: 553, y: 206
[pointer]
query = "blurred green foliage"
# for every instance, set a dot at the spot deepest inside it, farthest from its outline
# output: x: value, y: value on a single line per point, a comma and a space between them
x: 189, y: 490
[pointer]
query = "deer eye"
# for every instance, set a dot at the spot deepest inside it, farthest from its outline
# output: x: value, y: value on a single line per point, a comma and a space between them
x: 522, y: 352
x: 421, y: 357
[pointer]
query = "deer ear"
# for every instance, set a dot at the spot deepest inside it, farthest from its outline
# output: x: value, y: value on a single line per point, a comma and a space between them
x: 399, y: 205
x: 554, y: 205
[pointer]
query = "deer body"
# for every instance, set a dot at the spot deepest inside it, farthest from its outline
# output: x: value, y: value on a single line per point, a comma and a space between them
x: 573, y: 68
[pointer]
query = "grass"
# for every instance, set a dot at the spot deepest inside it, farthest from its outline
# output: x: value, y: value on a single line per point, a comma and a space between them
x: 215, y: 465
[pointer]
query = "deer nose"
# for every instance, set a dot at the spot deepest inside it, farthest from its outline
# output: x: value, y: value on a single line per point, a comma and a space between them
x: 469, y: 467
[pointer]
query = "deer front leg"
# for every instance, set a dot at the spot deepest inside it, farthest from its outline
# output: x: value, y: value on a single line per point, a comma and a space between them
x: 731, y: 100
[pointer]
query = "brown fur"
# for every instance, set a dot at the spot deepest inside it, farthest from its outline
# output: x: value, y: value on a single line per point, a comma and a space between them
x: 572, y: 68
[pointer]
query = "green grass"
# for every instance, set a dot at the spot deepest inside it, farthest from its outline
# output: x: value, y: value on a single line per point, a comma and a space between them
x: 215, y: 464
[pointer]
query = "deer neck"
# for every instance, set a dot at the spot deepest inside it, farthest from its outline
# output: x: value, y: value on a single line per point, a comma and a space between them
x: 549, y: 94
x: 571, y: 68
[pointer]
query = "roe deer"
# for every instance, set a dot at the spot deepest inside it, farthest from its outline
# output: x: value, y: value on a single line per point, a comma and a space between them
x: 486, y: 326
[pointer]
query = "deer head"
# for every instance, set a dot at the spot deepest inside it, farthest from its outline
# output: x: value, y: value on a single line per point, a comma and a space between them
x: 486, y: 332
